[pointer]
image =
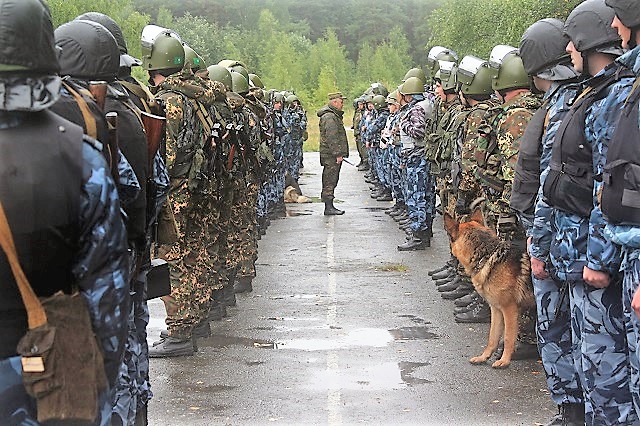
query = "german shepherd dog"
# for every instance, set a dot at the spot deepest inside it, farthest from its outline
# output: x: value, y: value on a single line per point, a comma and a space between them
x: 500, y: 273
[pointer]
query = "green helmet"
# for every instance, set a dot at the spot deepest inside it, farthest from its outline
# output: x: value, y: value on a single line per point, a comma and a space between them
x: 413, y: 86
x: 228, y: 63
x: 379, y: 89
x: 447, y: 76
x: 161, y: 49
x: 278, y: 97
x: 221, y: 74
x: 379, y: 101
x: 415, y: 72
x: 291, y: 99
x: 394, y: 97
x: 475, y: 76
x: 240, y: 70
x: 255, y: 81
x: 192, y: 59
x: 239, y: 83
x: 439, y: 53
x: 510, y: 69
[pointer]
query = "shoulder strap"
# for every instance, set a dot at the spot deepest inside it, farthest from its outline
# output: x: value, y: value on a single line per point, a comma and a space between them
x: 89, y: 119
x: 203, y: 116
x: 35, y: 311
x: 141, y: 91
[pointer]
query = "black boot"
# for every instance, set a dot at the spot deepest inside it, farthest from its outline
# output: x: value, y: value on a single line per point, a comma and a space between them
x: 243, y: 285
x: 218, y: 310
x: 386, y: 196
x: 568, y: 415
x: 171, y: 347
x: 229, y: 296
x: 330, y: 210
x: 481, y: 313
x: 414, y: 242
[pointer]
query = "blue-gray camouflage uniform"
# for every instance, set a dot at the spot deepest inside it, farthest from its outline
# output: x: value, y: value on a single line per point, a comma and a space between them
x: 373, y: 136
x: 599, y: 341
x: 552, y: 301
x: 391, y: 136
x: 628, y: 238
x: 101, y: 272
x: 298, y: 124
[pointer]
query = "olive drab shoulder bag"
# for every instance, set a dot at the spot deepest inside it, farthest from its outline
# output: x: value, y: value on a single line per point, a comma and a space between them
x: 62, y: 364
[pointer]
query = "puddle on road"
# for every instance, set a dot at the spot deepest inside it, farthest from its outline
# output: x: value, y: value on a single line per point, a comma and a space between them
x: 415, y: 319
x: 224, y: 341
x: 386, y: 376
x: 413, y: 333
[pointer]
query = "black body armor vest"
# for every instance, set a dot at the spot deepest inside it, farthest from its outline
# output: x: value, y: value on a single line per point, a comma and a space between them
x: 40, y: 183
x: 621, y: 177
x: 526, y: 179
x: 569, y: 184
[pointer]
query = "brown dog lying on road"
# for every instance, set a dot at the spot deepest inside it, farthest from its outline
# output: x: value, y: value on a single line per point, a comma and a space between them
x: 500, y: 273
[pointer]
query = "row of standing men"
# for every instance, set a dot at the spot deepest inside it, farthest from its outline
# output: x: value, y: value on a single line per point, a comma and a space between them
x: 179, y: 179
x: 544, y: 140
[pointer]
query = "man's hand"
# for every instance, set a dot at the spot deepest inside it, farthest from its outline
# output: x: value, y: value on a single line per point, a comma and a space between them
x: 538, y: 269
x: 635, y: 303
x: 597, y: 279
x: 339, y: 160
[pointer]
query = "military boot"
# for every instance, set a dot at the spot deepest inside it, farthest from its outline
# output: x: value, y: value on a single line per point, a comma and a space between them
x: 444, y: 273
x: 218, y: 310
x: 243, y: 285
x: 481, y: 313
x: 171, y: 347
x: 449, y: 286
x: 386, y: 196
x: 467, y: 300
x: 568, y: 415
x: 228, y: 294
x: 414, y: 242
x: 398, y: 210
x: 460, y: 291
x: 521, y: 352
x: 330, y: 210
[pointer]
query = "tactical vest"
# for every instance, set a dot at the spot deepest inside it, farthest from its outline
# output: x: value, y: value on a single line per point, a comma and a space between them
x: 41, y: 175
x: 621, y: 176
x: 569, y: 184
x: 527, y: 171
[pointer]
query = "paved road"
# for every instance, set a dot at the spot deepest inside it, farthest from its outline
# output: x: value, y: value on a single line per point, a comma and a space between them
x: 343, y: 329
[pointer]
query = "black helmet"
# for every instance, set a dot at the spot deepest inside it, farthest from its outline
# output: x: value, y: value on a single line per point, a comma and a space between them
x: 589, y: 28
x: 27, y: 37
x: 126, y: 60
x: 628, y: 11
x: 542, y: 49
x: 89, y: 51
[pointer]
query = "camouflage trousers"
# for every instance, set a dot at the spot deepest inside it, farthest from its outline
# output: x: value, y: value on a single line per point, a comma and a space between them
x: 554, y: 341
x: 18, y: 408
x: 241, y: 243
x: 371, y: 155
x: 601, y: 353
x: 362, y: 150
x: 385, y: 171
x: 293, y: 157
x: 631, y: 269
x: 395, y: 174
x: 133, y: 389
x: 419, y: 191
x: 189, y: 262
x: 379, y: 165
x: 247, y: 267
x: 330, y: 177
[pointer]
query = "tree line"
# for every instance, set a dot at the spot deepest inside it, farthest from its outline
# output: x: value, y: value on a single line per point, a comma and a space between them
x: 317, y: 46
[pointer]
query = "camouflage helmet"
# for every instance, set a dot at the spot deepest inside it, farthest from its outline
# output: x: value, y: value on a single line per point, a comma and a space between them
x: 413, y: 86
x: 510, y: 69
x: 394, y: 97
x: 447, y: 75
x: 161, y: 49
x: 27, y: 38
x: 379, y: 101
x: 255, y: 81
x: 542, y: 49
x: 192, y: 59
x: 239, y: 83
x: 221, y: 74
x: 589, y: 28
x: 415, y: 72
x: 475, y: 76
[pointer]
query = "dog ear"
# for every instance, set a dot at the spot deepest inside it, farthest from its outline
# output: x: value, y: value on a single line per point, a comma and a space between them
x: 476, y: 216
x: 451, y: 226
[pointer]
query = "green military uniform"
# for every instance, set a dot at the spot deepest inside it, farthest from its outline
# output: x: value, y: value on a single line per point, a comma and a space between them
x: 333, y: 144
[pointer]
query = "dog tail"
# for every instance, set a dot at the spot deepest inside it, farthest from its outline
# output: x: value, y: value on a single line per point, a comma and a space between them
x: 524, y: 286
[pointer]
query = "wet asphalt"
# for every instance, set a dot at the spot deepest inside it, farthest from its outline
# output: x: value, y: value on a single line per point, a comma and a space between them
x: 342, y: 329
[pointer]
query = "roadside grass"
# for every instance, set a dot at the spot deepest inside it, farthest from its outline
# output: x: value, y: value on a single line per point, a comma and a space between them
x: 393, y: 267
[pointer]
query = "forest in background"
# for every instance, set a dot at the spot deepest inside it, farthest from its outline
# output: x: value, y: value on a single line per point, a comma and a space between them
x: 314, y: 47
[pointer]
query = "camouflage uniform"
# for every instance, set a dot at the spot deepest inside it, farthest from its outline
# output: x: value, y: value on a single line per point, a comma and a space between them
x: 552, y: 301
x: 333, y: 144
x: 628, y: 237
x: 413, y: 124
x: 282, y: 139
x: 373, y: 135
x: 189, y: 159
x: 573, y: 242
x: 368, y: 118
x: 391, y: 136
x: 497, y: 154
x: 298, y: 124
x: 356, y: 126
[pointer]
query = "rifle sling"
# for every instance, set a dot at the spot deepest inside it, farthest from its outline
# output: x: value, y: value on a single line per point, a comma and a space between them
x: 89, y: 119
